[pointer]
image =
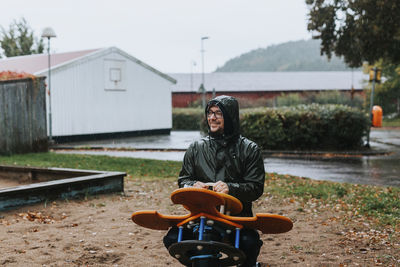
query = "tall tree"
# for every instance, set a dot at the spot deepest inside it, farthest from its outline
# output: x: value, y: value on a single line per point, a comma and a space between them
x: 19, y: 40
x: 358, y: 30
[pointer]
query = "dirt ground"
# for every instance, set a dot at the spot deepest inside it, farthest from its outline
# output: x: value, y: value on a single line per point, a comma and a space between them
x: 98, y: 231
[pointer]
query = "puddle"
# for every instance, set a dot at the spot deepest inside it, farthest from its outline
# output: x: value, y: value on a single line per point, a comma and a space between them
x: 375, y: 170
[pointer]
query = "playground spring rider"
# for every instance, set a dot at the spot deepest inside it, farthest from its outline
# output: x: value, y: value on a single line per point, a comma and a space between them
x: 209, y: 226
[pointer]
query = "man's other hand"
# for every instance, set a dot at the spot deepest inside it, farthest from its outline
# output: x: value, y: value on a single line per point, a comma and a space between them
x: 200, y: 185
x: 221, y: 187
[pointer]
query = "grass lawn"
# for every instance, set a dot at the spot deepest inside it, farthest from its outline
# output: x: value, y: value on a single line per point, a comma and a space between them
x: 137, y: 168
x: 380, y: 205
x: 395, y: 122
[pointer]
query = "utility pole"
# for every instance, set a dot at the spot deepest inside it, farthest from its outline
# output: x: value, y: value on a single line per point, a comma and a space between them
x: 202, y: 86
x: 192, y: 64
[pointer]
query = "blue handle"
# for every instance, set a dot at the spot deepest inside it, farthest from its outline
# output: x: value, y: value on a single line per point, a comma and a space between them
x: 201, y: 230
x: 237, y: 238
x: 180, y: 233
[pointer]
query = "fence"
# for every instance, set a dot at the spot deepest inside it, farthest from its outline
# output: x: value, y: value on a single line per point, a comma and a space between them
x: 23, y: 116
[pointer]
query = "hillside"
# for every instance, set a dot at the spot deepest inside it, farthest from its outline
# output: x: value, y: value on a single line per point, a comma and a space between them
x: 290, y: 56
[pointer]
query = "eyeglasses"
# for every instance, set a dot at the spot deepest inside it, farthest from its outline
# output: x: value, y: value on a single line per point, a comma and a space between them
x: 218, y: 114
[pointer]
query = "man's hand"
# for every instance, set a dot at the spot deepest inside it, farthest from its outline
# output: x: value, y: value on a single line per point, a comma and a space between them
x: 200, y: 185
x: 221, y: 187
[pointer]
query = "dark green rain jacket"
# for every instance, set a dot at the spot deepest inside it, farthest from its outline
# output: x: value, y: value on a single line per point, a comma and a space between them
x: 230, y: 158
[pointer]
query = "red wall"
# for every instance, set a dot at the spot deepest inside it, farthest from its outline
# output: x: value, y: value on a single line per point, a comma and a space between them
x: 181, y: 100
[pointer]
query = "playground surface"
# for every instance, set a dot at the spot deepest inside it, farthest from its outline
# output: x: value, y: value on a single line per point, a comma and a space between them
x: 98, y: 231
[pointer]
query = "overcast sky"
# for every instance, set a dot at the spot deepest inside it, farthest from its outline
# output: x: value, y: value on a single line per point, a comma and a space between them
x: 165, y: 33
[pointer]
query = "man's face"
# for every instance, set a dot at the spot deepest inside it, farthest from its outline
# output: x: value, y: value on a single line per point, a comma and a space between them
x: 215, y: 120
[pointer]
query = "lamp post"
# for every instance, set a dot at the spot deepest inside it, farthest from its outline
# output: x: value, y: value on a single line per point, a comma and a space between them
x: 49, y: 33
x: 202, y: 87
x: 192, y: 64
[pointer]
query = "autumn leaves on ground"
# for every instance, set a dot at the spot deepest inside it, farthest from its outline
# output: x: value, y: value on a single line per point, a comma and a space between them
x: 334, y: 224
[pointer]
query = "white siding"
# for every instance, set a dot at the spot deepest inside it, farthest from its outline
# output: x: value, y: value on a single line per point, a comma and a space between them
x: 82, y: 105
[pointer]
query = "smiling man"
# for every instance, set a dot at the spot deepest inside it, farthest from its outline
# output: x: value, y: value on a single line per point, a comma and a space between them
x: 232, y: 163
x: 215, y: 120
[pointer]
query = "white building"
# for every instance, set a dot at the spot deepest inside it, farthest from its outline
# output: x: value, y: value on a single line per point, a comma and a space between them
x: 101, y: 93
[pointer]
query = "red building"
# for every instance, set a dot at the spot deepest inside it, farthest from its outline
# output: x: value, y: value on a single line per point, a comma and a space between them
x: 256, y: 86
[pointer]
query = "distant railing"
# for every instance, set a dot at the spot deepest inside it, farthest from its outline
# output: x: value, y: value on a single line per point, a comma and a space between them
x: 23, y: 116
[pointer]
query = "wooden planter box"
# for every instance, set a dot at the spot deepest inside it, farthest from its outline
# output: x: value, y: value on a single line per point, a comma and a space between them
x: 21, y: 186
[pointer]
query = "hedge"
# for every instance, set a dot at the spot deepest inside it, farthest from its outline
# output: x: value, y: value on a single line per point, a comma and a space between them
x: 187, y: 118
x: 304, y: 127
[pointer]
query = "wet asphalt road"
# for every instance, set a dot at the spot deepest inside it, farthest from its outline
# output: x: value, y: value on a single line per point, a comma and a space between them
x: 375, y: 170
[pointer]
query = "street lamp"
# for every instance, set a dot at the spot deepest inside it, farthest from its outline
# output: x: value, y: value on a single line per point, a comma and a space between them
x: 192, y: 64
x: 49, y: 33
x: 202, y: 87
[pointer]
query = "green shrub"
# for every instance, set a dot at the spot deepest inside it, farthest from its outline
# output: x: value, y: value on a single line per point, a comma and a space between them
x: 261, y: 123
x: 287, y: 100
x: 341, y: 98
x: 329, y: 97
x: 391, y: 122
x: 187, y: 118
x: 305, y: 127
x: 254, y: 103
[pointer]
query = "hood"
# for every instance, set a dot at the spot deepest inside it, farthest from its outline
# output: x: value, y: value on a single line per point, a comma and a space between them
x: 230, y: 109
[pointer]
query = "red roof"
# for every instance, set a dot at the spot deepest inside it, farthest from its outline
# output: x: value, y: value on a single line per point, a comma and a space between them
x: 39, y: 62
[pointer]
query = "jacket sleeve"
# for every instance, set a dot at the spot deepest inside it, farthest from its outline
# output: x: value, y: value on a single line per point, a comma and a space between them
x: 186, y: 175
x: 252, y: 185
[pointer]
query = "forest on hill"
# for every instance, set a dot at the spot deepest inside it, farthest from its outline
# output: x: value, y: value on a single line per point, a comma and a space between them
x: 303, y: 55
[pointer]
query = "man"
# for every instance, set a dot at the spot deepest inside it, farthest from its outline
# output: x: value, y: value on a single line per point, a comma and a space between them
x: 232, y: 162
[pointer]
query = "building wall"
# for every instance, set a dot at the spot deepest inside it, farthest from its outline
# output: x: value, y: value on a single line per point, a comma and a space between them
x: 184, y: 99
x: 81, y: 103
